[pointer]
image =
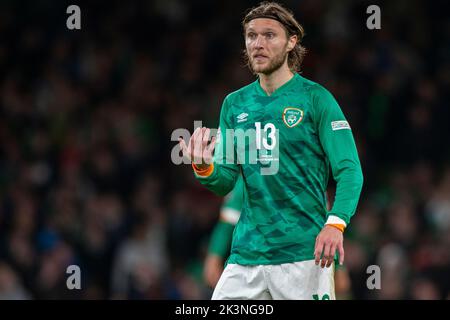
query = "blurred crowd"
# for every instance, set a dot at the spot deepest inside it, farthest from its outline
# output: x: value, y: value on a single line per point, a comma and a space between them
x: 86, y: 117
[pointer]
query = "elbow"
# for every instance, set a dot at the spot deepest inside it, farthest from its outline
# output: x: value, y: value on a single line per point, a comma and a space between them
x: 352, y: 175
x: 224, y: 190
x: 221, y: 192
x: 358, y: 179
x: 360, y: 176
x: 220, y: 188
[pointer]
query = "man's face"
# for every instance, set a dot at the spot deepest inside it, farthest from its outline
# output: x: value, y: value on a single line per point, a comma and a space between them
x: 267, y: 45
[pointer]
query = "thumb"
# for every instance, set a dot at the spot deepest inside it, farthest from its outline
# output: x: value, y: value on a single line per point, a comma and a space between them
x: 182, y: 146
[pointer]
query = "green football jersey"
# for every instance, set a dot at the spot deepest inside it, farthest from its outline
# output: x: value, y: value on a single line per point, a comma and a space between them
x: 232, y: 205
x: 230, y: 211
x: 284, y: 145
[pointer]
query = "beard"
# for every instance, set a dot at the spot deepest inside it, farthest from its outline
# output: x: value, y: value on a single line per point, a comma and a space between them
x: 274, y: 64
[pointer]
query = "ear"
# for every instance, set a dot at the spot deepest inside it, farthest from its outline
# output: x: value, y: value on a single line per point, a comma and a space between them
x: 292, y: 41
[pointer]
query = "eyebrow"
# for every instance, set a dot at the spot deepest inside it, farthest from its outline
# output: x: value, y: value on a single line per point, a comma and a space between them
x: 268, y: 29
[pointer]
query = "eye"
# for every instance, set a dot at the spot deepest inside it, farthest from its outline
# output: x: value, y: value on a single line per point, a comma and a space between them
x: 251, y: 35
x: 270, y: 35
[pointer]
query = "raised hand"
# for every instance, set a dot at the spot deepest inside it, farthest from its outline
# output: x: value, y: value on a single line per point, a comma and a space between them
x: 197, y: 150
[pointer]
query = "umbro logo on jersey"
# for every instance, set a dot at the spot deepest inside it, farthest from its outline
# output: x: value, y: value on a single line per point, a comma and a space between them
x: 242, y: 117
x: 292, y: 116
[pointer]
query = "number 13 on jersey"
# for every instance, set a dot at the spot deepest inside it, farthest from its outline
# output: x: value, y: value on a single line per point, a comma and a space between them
x: 269, y: 134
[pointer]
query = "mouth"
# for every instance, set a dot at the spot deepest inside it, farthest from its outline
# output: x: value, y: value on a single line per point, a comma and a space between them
x: 259, y: 57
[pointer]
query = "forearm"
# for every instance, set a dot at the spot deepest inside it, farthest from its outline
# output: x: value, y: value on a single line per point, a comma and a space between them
x: 220, y: 179
x: 349, y: 181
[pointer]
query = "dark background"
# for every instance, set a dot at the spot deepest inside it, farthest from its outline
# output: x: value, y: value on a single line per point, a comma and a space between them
x: 86, y: 118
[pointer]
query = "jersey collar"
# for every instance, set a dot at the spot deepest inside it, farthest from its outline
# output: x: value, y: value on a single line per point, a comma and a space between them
x: 279, y: 90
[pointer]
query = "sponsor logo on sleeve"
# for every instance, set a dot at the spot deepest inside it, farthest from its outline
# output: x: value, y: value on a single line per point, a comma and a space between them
x: 339, y: 125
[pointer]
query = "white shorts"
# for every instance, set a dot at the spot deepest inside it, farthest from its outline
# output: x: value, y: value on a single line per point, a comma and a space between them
x: 289, y: 281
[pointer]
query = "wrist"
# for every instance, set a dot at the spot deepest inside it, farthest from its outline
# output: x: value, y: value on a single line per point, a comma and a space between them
x: 333, y: 219
x: 340, y: 227
x: 201, y: 167
x: 203, y: 170
x: 336, y: 222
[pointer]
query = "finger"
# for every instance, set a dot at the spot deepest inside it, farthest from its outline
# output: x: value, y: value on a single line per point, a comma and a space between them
x: 212, y: 144
x: 192, y: 141
x: 181, y: 142
x: 318, y: 250
x: 196, y: 131
x: 183, y: 146
x: 341, y: 253
x: 324, y: 259
x: 201, y: 133
x: 331, y: 255
x: 209, y: 150
x: 194, y: 136
x: 197, y: 146
x: 205, y: 137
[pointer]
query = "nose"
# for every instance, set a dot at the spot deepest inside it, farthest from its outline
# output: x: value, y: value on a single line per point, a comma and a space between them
x: 259, y: 41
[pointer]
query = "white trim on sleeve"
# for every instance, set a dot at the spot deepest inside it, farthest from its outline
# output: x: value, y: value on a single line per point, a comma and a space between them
x: 230, y: 215
x: 335, y: 220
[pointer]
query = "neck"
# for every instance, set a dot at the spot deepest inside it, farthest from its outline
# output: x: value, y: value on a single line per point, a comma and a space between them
x: 271, y: 82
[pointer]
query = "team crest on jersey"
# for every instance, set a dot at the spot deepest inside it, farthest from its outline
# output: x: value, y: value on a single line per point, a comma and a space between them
x: 292, y: 116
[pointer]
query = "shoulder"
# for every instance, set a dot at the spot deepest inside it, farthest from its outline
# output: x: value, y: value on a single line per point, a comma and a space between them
x: 321, y: 99
x: 313, y: 89
x: 240, y: 94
